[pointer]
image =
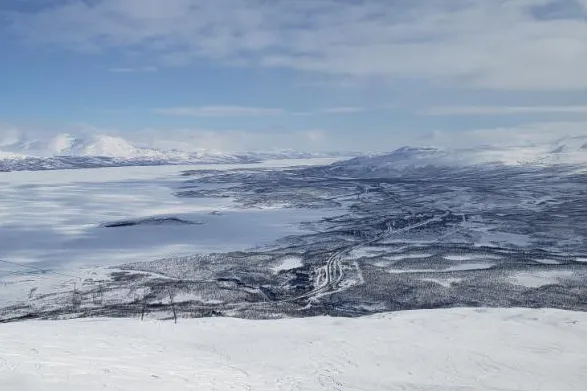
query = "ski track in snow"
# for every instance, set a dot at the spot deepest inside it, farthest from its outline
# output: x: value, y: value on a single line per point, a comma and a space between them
x: 432, y: 350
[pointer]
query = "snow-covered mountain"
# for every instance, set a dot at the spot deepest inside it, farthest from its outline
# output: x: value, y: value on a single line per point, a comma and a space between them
x: 98, y: 150
x: 83, y: 146
x: 565, y: 151
x: 63, y: 151
x: 100, y: 145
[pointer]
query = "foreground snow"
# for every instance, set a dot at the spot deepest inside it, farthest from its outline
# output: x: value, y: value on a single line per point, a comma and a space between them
x: 460, y: 349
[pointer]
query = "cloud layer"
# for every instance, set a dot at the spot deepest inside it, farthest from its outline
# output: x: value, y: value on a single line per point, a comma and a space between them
x: 220, y: 111
x: 505, y: 110
x: 504, y: 45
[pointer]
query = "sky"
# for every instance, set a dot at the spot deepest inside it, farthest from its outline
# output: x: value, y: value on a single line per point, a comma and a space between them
x: 361, y: 75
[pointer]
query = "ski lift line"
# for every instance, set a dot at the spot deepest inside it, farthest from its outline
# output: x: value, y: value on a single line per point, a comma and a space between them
x: 37, y: 269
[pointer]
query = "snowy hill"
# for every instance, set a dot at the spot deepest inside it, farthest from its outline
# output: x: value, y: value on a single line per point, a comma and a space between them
x: 566, y: 151
x: 441, y: 350
x: 65, y: 151
x: 98, y: 145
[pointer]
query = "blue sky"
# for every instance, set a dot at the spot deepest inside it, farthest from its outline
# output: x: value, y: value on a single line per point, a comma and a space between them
x: 320, y: 74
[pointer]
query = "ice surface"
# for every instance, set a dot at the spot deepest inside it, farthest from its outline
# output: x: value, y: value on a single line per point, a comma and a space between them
x: 57, y: 217
x: 440, y: 350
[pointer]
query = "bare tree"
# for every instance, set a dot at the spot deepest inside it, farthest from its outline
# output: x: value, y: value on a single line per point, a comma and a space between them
x: 76, y: 299
x: 171, y: 301
x: 98, y: 295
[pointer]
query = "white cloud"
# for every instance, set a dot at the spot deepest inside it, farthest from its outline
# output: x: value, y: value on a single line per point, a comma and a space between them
x: 343, y: 110
x: 231, y: 140
x: 121, y: 70
x: 220, y: 111
x: 245, y: 111
x: 504, y: 110
x: 133, y: 70
x: 523, y: 135
x: 508, y: 44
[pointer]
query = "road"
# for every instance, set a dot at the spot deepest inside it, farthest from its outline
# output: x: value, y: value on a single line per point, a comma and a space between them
x: 331, y: 274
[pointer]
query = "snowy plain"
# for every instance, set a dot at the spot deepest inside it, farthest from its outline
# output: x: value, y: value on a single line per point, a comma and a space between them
x: 428, y: 350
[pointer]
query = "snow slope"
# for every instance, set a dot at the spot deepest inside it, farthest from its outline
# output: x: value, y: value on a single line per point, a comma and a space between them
x: 432, y: 350
x: 88, y: 145
x: 99, y: 145
x: 570, y: 150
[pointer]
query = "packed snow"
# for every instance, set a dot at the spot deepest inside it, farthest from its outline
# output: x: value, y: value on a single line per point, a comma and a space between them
x: 440, y: 350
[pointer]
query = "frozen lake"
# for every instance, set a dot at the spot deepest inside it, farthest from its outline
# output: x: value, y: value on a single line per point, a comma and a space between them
x: 53, y: 218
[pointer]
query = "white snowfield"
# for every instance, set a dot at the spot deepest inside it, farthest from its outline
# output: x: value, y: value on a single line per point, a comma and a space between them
x: 432, y: 350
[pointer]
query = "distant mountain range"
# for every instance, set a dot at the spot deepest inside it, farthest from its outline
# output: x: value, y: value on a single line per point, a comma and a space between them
x: 66, y: 151
x: 566, y: 151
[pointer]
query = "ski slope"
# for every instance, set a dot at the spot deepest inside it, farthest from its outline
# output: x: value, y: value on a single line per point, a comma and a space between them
x: 431, y: 350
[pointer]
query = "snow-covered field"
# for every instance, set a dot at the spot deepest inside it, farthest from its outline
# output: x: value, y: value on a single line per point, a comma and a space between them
x: 53, y: 218
x: 437, y: 350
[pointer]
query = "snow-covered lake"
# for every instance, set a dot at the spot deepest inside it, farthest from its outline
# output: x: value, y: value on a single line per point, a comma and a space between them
x: 52, y: 218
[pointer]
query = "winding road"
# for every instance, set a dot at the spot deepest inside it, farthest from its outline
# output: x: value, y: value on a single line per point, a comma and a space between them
x: 331, y: 274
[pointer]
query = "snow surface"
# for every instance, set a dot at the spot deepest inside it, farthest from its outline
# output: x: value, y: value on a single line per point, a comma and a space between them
x: 431, y: 350
x: 468, y: 257
x: 409, y: 256
x: 288, y: 263
x: 445, y: 282
x: 536, y: 279
x: 458, y: 268
x: 547, y: 261
x: 54, y: 217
